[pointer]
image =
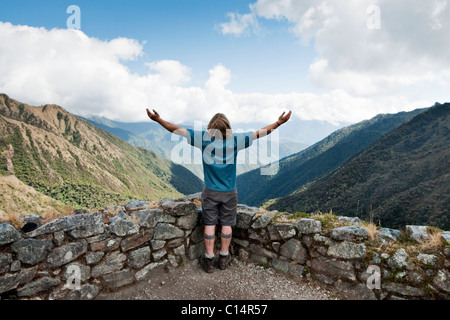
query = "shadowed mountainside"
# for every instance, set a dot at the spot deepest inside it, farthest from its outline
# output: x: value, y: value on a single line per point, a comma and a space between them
x: 402, y: 178
x: 317, y: 160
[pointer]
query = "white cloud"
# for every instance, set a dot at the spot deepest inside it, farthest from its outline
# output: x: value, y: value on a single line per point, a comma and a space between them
x: 240, y: 24
x: 411, y: 47
x: 170, y: 71
x: 88, y: 76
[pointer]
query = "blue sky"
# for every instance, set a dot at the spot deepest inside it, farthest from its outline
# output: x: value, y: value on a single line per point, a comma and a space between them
x: 249, y: 59
x: 186, y: 31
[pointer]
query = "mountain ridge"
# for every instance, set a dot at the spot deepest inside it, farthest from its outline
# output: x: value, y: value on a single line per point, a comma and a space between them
x: 153, y: 137
x: 401, y: 178
x: 68, y: 158
x: 318, y: 159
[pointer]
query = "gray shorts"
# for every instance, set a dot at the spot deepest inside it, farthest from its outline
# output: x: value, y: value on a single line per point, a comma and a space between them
x: 219, y: 207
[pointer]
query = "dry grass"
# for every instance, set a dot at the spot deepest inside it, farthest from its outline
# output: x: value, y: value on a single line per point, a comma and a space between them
x: 434, y: 241
x: 111, y: 211
x: 283, y: 218
x: 14, y: 218
x: 329, y: 220
x: 372, y: 230
x: 198, y: 202
x: 18, y: 199
x: 156, y: 204
x: 52, y: 214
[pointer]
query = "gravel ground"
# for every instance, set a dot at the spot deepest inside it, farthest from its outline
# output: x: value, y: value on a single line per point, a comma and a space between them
x: 241, y: 281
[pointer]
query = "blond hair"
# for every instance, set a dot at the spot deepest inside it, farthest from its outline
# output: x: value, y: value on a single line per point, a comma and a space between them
x: 220, y: 123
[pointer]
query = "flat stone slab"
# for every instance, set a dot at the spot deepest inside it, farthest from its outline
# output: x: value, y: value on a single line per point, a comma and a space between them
x: 446, y: 236
x: 166, y: 231
x: 347, y: 250
x: 136, y: 240
x: 114, y: 261
x: 8, y: 233
x: 308, y: 226
x: 399, y: 259
x: 442, y: 280
x: 402, y: 289
x: 136, y: 205
x: 178, y: 208
x: 89, y: 225
x: 123, y: 227
x: 139, y: 257
x: 262, y: 221
x: 119, y: 278
x: 418, y: 233
x: 12, y: 280
x: 35, y: 287
x: 349, y: 233
x: 333, y: 268
x: 244, y: 218
x: 151, y: 217
x: 389, y: 233
x: 5, y: 261
x: 281, y: 231
x: 353, y: 220
x: 428, y: 259
x: 294, y: 250
x: 66, y: 253
x: 32, y: 251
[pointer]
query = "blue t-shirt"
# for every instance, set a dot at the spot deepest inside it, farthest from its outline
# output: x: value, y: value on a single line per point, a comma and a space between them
x: 219, y: 157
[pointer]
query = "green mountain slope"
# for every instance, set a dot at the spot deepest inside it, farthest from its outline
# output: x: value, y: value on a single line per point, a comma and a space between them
x: 70, y: 159
x: 148, y: 135
x: 402, y: 178
x: 317, y: 160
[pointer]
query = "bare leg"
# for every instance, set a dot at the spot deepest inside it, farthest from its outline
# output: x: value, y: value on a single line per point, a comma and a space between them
x: 225, y: 239
x: 209, y: 240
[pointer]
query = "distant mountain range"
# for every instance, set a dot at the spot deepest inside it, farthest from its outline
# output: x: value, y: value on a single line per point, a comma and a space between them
x: 296, y: 136
x: 401, y: 178
x: 318, y: 160
x: 69, y: 159
x: 393, y: 169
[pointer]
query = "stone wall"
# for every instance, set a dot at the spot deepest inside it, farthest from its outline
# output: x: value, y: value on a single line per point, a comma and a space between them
x: 78, y: 256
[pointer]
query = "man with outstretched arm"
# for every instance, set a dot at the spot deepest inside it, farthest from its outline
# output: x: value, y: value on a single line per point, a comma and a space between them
x: 219, y: 146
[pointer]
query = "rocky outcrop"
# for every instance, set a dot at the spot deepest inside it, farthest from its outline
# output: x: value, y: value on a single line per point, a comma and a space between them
x: 81, y: 255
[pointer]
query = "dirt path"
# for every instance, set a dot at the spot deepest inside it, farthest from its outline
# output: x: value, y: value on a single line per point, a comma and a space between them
x: 241, y: 281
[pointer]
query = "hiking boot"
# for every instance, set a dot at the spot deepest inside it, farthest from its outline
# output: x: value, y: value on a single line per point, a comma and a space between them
x: 207, y: 264
x: 224, y: 261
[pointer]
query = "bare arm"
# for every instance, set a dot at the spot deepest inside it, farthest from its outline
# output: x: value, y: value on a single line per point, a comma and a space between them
x: 167, y: 125
x: 268, y: 129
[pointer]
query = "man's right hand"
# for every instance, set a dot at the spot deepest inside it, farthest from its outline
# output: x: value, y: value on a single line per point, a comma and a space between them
x: 154, y: 116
